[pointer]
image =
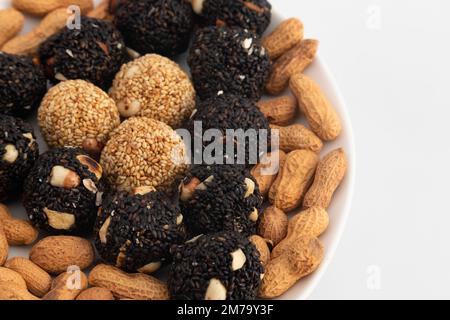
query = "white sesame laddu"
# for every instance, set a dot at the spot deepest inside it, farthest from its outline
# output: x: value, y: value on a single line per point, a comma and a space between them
x: 143, y: 152
x: 76, y: 113
x: 155, y: 87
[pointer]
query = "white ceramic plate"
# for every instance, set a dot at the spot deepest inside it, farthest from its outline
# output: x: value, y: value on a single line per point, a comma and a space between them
x: 340, y: 207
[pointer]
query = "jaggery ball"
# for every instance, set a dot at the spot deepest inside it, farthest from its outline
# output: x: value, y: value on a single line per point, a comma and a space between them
x: 250, y: 137
x: 220, y: 197
x: 253, y: 15
x: 143, y: 152
x: 228, y: 60
x: 94, y: 52
x: 155, y: 26
x: 220, y: 266
x: 63, y: 191
x: 22, y: 85
x: 135, y: 231
x: 155, y: 87
x: 76, y: 113
x: 18, y: 153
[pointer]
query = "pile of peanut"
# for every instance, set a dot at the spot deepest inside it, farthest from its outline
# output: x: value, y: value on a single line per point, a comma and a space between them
x: 54, y: 269
x: 289, y: 248
x: 305, y: 184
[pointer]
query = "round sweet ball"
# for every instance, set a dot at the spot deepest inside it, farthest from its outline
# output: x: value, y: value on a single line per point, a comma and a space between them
x: 143, y: 152
x: 253, y: 15
x: 228, y: 60
x: 18, y: 153
x: 155, y: 87
x: 22, y: 85
x: 220, y: 266
x: 77, y: 113
x: 135, y: 231
x: 94, y: 52
x: 63, y: 191
x: 220, y: 197
x: 230, y: 112
x: 155, y: 26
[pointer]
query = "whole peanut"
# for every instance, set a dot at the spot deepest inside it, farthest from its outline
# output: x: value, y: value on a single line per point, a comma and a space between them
x: 310, y: 223
x: 330, y: 172
x: 295, y: 176
x: 57, y: 253
x: 11, y: 23
x: 42, y: 7
x: 294, y: 61
x: 285, y: 36
x: 132, y: 286
x: 28, y: 43
x: 18, y: 232
x: 280, y: 111
x: 302, y: 258
x: 273, y: 225
x: 38, y: 281
x: 297, y: 137
x: 320, y: 114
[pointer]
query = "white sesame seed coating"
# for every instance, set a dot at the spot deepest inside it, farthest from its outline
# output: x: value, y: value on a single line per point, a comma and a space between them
x: 143, y: 152
x: 155, y: 87
x: 74, y: 111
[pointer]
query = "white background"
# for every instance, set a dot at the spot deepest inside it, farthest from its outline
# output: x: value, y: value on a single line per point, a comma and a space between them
x: 391, y: 60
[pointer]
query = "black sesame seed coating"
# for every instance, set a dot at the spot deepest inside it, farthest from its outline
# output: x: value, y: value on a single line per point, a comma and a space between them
x: 22, y: 85
x: 222, y: 206
x: 142, y: 227
x: 228, y: 60
x: 208, y: 257
x: 232, y: 112
x: 12, y: 175
x: 93, y: 53
x: 79, y: 201
x: 156, y: 26
x: 254, y: 15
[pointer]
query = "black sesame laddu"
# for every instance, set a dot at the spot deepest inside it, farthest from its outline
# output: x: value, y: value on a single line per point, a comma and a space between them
x: 22, y: 85
x: 136, y: 231
x: 63, y: 191
x: 220, y: 197
x: 18, y: 153
x: 254, y: 15
x: 228, y: 60
x: 251, y: 129
x: 220, y: 266
x: 155, y: 26
x: 94, y: 52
